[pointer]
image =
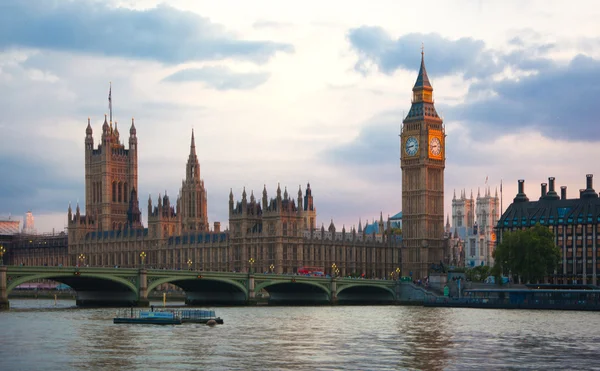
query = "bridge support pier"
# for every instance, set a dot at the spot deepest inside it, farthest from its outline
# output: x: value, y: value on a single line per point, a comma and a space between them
x: 4, y: 304
x: 251, y: 293
x: 334, y: 299
x: 142, y: 300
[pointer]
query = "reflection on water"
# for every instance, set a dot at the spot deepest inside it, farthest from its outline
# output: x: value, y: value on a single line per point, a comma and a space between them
x: 36, y: 336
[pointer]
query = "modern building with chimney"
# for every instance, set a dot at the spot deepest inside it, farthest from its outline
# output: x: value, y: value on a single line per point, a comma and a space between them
x: 574, y: 222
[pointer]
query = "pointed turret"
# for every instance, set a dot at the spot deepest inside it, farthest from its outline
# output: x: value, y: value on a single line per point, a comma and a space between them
x: 285, y: 194
x: 454, y: 197
x: 132, y: 130
x: 105, y: 127
x: 88, y: 129
x: 422, y: 79
x: 70, y: 212
x: 422, y: 102
x: 193, y: 166
x: 360, y: 225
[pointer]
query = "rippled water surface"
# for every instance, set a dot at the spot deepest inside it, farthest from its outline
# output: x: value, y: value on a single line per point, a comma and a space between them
x: 36, y: 335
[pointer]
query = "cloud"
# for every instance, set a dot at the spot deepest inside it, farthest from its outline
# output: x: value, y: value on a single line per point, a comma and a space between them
x: 36, y: 184
x: 559, y: 103
x: 516, y: 89
x: 163, y: 33
x: 220, y: 78
x: 444, y: 56
x: 376, y: 143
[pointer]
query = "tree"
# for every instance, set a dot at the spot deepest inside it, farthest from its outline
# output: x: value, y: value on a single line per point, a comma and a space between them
x: 478, y: 273
x: 530, y: 253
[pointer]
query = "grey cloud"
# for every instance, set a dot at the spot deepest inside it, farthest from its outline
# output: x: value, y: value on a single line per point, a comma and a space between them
x: 163, y: 33
x: 560, y: 103
x: 465, y: 55
x: 35, y: 183
x: 377, y: 143
x: 220, y: 78
x: 548, y: 99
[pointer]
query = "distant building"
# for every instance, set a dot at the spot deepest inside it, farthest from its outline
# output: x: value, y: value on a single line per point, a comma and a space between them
x: 9, y: 226
x: 575, y: 224
x: 474, y: 221
x: 29, y: 224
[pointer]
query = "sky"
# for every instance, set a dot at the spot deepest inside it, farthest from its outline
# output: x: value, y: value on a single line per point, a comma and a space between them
x: 285, y: 93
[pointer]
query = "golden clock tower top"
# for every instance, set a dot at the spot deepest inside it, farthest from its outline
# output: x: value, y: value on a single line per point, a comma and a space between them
x: 422, y: 101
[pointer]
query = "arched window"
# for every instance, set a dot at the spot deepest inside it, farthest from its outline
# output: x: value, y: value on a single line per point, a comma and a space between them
x: 125, y: 192
x: 114, y: 191
x: 120, y: 187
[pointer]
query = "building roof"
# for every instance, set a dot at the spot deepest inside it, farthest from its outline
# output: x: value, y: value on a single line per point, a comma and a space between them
x: 9, y: 226
x: 397, y: 216
x: 422, y: 79
x: 552, y: 210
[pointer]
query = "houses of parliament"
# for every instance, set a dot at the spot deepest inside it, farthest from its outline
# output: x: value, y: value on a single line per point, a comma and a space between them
x: 275, y: 232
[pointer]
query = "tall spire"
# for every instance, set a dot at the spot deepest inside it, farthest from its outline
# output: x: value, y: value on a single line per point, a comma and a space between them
x: 422, y: 79
x: 193, y: 165
x: 193, y: 145
x: 422, y: 100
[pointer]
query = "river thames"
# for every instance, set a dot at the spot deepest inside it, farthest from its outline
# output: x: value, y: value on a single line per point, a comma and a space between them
x: 37, y: 335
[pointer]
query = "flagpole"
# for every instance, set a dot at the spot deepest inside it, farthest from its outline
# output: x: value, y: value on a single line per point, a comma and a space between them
x: 110, y: 101
x: 501, y: 208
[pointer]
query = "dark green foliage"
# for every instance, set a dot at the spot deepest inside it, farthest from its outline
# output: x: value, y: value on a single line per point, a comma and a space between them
x: 478, y: 274
x: 530, y: 254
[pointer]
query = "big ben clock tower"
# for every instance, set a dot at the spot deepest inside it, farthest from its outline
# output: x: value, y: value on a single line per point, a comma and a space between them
x: 422, y: 161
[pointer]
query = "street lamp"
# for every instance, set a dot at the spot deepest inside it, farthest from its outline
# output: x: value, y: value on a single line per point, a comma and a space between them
x: 81, y: 259
x: 337, y: 272
x: 398, y: 273
x: 2, y: 251
x: 272, y: 267
x: 189, y: 263
x: 143, y: 256
x: 333, y: 269
x: 251, y: 261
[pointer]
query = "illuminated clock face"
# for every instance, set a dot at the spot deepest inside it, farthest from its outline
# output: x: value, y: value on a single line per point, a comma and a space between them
x: 435, y: 146
x: 411, y: 146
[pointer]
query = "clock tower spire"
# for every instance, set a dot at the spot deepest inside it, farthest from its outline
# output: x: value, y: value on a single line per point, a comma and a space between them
x: 422, y: 161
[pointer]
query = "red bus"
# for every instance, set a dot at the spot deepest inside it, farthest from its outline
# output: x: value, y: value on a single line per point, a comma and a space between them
x: 311, y: 271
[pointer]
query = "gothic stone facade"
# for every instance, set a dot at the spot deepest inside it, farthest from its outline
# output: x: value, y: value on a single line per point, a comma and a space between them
x: 474, y: 222
x: 422, y: 161
x: 279, y: 235
x: 278, y: 232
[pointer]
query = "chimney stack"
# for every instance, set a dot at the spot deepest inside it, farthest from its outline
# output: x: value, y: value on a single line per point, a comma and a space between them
x: 521, y: 196
x: 581, y: 192
x: 589, y: 181
x: 551, y: 195
x: 521, y: 185
x: 563, y: 192
x: 217, y: 227
x: 543, y: 190
x: 589, y: 191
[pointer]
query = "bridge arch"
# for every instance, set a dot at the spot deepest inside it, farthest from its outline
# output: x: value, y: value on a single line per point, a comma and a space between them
x: 364, y: 292
x: 67, y: 277
x: 265, y: 284
x: 154, y: 284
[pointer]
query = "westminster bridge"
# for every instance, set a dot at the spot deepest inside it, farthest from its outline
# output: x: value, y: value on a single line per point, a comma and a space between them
x: 130, y: 286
